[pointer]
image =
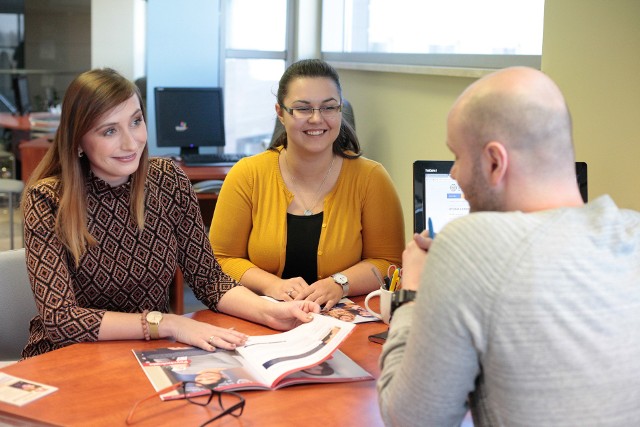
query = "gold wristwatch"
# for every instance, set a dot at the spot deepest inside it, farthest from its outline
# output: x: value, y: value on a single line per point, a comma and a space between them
x: 153, y: 319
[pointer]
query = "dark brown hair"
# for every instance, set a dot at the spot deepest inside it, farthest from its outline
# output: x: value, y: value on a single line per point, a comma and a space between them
x: 347, y: 144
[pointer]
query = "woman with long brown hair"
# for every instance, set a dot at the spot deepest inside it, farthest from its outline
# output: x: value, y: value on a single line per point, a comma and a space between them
x: 106, y: 227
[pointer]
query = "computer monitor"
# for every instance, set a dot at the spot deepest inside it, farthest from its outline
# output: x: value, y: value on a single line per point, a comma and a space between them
x: 21, y: 94
x: 438, y: 196
x: 189, y: 118
x: 8, y: 105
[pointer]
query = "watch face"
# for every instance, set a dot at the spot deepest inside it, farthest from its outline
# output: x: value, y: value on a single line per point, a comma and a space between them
x: 340, y: 279
x: 154, y: 317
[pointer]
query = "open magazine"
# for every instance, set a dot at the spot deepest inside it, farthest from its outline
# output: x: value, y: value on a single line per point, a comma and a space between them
x: 346, y: 310
x: 306, y: 354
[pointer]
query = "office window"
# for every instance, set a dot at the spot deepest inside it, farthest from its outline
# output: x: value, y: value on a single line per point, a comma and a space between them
x: 256, y: 25
x: 453, y: 33
x: 11, y: 51
x: 250, y: 85
x: 255, y: 57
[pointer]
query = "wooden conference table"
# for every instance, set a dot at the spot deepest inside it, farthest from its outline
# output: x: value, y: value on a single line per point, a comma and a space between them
x: 99, y: 383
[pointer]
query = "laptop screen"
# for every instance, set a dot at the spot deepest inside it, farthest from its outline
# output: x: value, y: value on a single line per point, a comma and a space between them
x: 438, y: 196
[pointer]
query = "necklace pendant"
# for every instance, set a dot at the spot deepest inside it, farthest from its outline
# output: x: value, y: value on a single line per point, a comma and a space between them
x: 307, y: 212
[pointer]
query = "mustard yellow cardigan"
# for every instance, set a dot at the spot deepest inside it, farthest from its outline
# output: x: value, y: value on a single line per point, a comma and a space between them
x: 362, y: 218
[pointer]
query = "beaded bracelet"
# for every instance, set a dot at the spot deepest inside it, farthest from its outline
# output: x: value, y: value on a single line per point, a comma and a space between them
x: 145, y: 326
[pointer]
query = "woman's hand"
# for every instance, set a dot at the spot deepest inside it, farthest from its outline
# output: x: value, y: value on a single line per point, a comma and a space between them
x: 200, y: 334
x: 325, y: 292
x: 289, y: 289
x: 287, y: 315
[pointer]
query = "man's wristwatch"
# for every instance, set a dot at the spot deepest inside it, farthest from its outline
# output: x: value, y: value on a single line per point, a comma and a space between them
x: 153, y: 319
x: 342, y: 280
x: 401, y: 297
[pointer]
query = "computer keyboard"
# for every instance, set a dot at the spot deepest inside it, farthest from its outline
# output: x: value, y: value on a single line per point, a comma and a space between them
x: 212, y: 159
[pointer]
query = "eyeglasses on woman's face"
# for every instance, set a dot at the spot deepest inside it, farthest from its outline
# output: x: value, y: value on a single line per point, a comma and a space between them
x: 230, y: 403
x: 305, y: 112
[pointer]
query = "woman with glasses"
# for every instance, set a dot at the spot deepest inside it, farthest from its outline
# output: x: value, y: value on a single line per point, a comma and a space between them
x: 106, y: 227
x: 309, y: 218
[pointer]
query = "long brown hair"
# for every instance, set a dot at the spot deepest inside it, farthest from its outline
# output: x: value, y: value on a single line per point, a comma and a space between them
x: 89, y: 96
x: 346, y: 144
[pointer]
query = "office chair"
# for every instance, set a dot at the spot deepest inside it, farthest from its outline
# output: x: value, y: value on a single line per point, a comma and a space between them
x: 347, y: 114
x: 17, y: 306
x: 141, y: 83
x: 12, y: 188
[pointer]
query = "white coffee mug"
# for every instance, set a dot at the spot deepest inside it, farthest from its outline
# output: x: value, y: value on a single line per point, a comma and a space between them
x: 385, y: 304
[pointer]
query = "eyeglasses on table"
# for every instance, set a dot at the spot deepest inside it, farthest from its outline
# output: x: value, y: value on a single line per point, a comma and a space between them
x: 230, y: 403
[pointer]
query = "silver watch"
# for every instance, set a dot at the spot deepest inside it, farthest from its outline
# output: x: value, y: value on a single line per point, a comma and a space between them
x: 342, y: 280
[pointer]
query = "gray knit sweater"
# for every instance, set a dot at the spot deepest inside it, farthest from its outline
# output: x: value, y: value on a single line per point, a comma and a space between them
x: 528, y: 319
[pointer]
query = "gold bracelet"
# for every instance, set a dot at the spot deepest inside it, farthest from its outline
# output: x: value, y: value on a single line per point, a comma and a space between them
x: 145, y: 326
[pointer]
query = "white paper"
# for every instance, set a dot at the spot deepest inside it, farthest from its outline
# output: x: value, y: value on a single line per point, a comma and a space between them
x: 18, y: 391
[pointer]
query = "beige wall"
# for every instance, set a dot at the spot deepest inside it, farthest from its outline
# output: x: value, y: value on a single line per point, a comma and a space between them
x: 590, y: 48
x: 401, y: 118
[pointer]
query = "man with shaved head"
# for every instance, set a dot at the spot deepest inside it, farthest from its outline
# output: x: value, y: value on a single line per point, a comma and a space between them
x: 526, y: 311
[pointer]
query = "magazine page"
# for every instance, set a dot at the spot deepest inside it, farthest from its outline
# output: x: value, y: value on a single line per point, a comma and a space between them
x: 259, y: 364
x: 348, y: 311
x: 345, y: 310
x: 19, y: 392
x: 276, y: 356
x: 221, y: 369
x: 338, y: 368
x: 161, y: 374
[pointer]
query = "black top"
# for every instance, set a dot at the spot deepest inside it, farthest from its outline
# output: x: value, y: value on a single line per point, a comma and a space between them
x: 303, y: 235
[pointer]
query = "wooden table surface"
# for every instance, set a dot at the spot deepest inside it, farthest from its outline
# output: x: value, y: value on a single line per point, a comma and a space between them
x: 9, y: 121
x: 99, y: 383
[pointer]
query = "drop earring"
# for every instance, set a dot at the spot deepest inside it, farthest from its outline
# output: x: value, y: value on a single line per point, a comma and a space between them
x: 80, y: 153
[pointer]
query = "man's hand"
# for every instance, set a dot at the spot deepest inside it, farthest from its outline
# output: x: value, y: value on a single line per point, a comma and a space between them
x: 413, y: 258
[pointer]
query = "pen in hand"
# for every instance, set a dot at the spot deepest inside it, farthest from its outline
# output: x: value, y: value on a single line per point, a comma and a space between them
x: 431, y: 233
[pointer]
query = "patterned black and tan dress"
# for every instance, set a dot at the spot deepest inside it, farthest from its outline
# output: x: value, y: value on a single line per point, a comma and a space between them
x: 128, y: 270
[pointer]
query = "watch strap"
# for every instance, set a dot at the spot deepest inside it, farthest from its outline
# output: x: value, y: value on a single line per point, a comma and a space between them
x: 154, y: 331
x: 401, y: 297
